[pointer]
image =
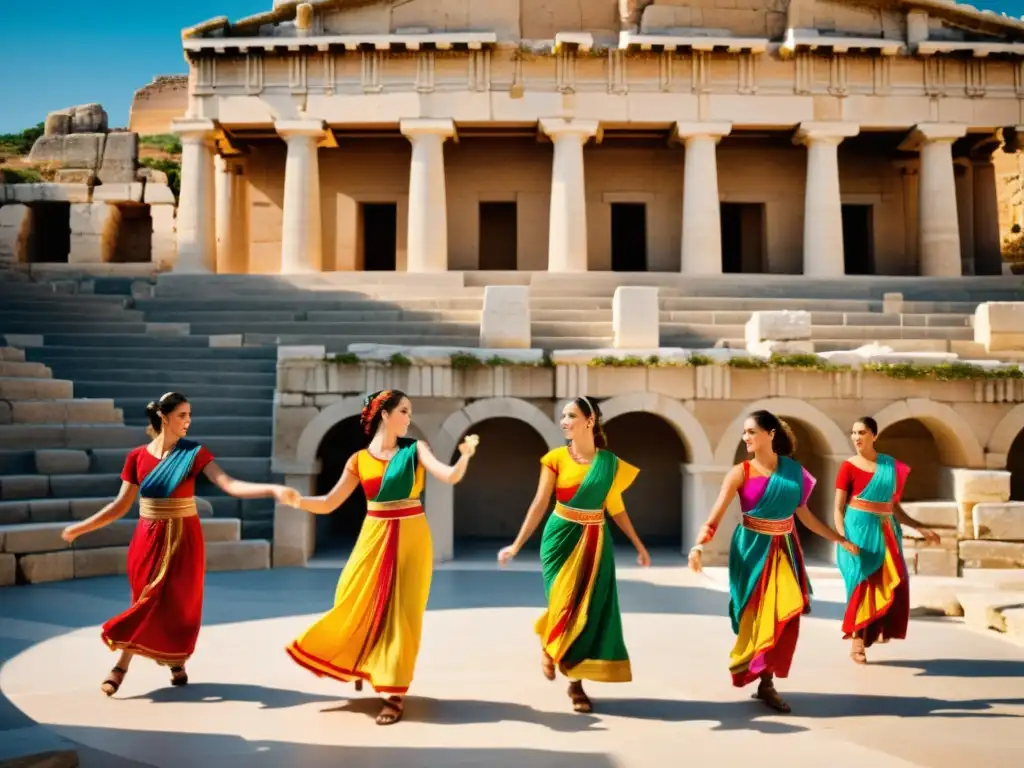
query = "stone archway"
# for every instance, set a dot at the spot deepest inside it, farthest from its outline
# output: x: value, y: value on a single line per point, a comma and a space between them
x: 834, y: 440
x: 1006, y: 432
x: 685, y: 424
x: 955, y: 439
x: 1007, y: 447
x: 493, y: 416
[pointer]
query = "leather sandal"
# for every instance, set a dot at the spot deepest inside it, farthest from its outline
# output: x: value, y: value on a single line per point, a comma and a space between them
x: 857, y: 651
x: 179, y: 676
x: 359, y: 684
x: 392, y: 710
x: 766, y: 692
x: 547, y: 666
x: 580, y: 701
x: 111, y: 685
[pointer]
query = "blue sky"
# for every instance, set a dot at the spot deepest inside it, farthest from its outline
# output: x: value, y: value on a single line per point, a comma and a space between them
x: 64, y: 52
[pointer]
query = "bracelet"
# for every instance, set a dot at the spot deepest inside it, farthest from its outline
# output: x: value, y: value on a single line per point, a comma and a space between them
x: 697, y: 548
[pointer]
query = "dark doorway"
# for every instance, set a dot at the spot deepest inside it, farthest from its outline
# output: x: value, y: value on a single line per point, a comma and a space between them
x: 380, y: 236
x: 50, y: 238
x: 742, y: 238
x: 134, y: 241
x: 858, y: 239
x: 1015, y: 465
x: 338, y: 530
x: 498, y: 236
x: 629, y: 237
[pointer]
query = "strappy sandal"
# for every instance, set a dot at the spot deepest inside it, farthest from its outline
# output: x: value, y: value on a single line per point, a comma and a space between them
x: 111, y: 685
x: 857, y: 652
x: 547, y: 666
x: 179, y: 676
x: 392, y: 710
x: 359, y: 684
x: 766, y: 692
x: 580, y: 701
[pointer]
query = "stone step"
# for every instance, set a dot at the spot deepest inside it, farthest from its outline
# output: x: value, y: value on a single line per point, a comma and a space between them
x: 204, y: 427
x: 168, y: 377
x: 164, y: 342
x: 576, y: 330
x: 66, y: 510
x: 366, y: 330
x: 572, y: 342
x: 234, y: 447
x: 185, y: 309
x: 204, y: 406
x: 27, y: 315
x: 280, y: 284
x: 169, y: 356
x: 11, y: 355
x: 35, y: 436
x: 17, y: 298
x: 23, y: 388
x: 29, y: 538
x: 338, y: 344
x: 23, y: 487
x: 17, y: 462
x: 134, y: 390
x: 12, y: 370
x: 62, y: 411
x: 49, y: 327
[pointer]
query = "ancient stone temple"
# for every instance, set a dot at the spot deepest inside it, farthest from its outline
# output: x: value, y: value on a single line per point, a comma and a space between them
x: 759, y: 136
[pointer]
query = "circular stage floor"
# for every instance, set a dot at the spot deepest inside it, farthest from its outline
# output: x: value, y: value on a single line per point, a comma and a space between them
x: 948, y: 696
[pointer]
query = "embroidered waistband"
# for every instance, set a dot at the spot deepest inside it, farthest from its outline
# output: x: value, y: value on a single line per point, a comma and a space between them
x: 873, y: 507
x: 394, y: 510
x: 167, y: 509
x: 768, y: 527
x: 581, y: 516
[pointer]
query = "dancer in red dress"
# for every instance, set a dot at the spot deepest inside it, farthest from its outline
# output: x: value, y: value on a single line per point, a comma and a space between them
x: 167, y: 556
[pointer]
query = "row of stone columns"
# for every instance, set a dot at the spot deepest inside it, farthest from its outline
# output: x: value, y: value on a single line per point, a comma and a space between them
x: 939, y: 244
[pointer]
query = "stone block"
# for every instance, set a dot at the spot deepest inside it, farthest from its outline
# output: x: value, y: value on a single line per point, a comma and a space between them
x: 47, y: 149
x: 118, y: 192
x: 49, y: 511
x: 999, y: 325
x: 937, y: 562
x: 15, y: 228
x: 782, y: 325
x: 8, y: 569
x: 308, y: 352
x: 88, y: 118
x: 24, y: 339
x: 50, y: 193
x: 983, y: 610
x: 12, y: 355
x: 1001, y: 522
x: 102, y: 561
x: 61, y: 462
x: 988, y: 554
x: 120, y: 158
x: 636, y: 320
x: 57, y: 123
x: 933, y: 514
x: 223, y: 529
x: 929, y: 600
x: 892, y: 303
x: 248, y: 555
x: 505, y: 319
x: 49, y: 566
x: 84, y: 150
x: 203, y: 508
x: 769, y: 348
x: 33, y: 537
x: 158, y: 194
x: 13, y: 513
x: 226, y: 340
x: 83, y: 508
x: 24, y: 487
x: 151, y: 175
x: 94, y: 230
x: 75, y: 176
x: 1013, y: 618
x: 976, y: 485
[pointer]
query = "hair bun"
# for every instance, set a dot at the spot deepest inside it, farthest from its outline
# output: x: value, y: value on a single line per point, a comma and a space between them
x: 151, y: 406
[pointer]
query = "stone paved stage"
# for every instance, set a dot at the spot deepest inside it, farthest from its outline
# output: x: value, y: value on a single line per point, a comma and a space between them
x: 948, y: 696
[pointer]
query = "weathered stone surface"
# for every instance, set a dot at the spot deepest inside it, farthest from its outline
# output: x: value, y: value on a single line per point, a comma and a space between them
x: 49, y: 566
x: 88, y: 118
x: 15, y: 228
x: 49, y: 510
x: 992, y: 554
x: 33, y: 537
x: 8, y: 569
x: 120, y: 158
x: 981, y: 485
x: 10, y: 354
x: 75, y: 176
x: 24, y: 487
x: 84, y: 150
x: 93, y: 233
x: 769, y: 348
x: 50, y: 193
x: 151, y: 175
x: 61, y: 462
x: 928, y: 600
x: 158, y: 193
x: 1013, y: 618
x: 47, y: 149
x: 984, y: 609
x: 203, y: 507
x: 102, y: 561
x: 248, y: 555
x: 505, y: 320
x: 57, y: 123
x: 937, y: 562
x: 12, y: 513
x: 1001, y: 522
x: 783, y: 325
x: 636, y: 320
x: 999, y: 325
x: 934, y: 514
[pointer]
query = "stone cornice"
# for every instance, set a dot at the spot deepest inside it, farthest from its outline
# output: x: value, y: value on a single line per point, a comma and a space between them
x: 439, y: 41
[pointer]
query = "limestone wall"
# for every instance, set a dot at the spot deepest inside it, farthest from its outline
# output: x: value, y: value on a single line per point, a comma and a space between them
x: 156, y: 104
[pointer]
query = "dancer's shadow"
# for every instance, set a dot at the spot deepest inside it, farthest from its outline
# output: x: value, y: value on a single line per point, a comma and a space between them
x: 958, y: 667
x: 472, y: 711
x: 744, y: 714
x: 215, y: 693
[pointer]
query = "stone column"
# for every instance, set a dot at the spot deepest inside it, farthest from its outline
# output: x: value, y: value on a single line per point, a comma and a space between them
x: 938, y: 224
x: 567, y: 225
x: 294, y: 529
x: 223, y: 186
x: 988, y: 258
x: 823, y: 206
x: 301, y: 236
x: 702, y: 220
x: 964, y: 180
x: 427, y: 242
x: 196, y: 244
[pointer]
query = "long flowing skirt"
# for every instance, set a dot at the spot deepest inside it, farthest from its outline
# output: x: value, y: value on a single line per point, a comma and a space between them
x: 769, y: 624
x: 166, y: 570
x: 373, y: 631
x: 582, y: 627
x: 878, y: 607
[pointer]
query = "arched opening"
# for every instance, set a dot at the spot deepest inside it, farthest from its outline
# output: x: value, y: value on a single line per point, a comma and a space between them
x: 810, y: 448
x: 337, y: 531
x: 655, y: 501
x: 1015, y: 466
x: 911, y: 442
x: 491, y: 501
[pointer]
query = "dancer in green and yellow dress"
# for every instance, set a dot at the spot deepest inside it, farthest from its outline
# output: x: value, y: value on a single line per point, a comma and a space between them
x: 581, y: 630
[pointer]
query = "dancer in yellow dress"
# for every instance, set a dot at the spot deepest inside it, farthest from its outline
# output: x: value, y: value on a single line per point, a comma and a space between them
x: 373, y: 631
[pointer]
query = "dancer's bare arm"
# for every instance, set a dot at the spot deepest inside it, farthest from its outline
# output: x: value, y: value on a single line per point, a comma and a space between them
x: 904, y: 519
x: 839, y: 510
x: 338, y: 495
x: 115, y: 510
x: 241, y: 489
x: 446, y: 473
x: 626, y: 526
x: 539, y: 505
x: 730, y: 487
x: 805, y: 516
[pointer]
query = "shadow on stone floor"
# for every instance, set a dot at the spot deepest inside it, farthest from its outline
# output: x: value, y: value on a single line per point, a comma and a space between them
x: 745, y: 714
x: 475, y: 712
x: 228, y: 751
x: 970, y: 668
x: 216, y: 693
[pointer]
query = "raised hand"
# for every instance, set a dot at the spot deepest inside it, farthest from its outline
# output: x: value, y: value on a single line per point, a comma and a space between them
x: 289, y: 496
x: 468, y: 446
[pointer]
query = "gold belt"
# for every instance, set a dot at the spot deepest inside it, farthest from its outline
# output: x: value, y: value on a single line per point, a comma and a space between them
x: 768, y: 527
x: 872, y: 507
x: 167, y: 509
x: 394, y: 510
x: 581, y: 516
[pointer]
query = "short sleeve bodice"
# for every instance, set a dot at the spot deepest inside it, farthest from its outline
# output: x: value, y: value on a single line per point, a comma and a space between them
x: 854, y: 480
x: 140, y: 462
x: 370, y: 471
x: 754, y: 485
x: 569, y: 474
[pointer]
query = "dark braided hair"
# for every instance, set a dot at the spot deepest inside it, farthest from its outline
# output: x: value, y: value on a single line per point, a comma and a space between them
x: 384, y: 401
x: 165, y: 406
x: 589, y: 408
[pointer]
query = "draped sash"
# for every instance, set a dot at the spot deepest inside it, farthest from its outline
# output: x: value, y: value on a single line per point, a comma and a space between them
x: 171, y: 471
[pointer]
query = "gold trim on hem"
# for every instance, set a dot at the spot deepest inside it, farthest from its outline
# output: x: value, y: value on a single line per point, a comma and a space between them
x: 599, y: 671
x: 167, y: 509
